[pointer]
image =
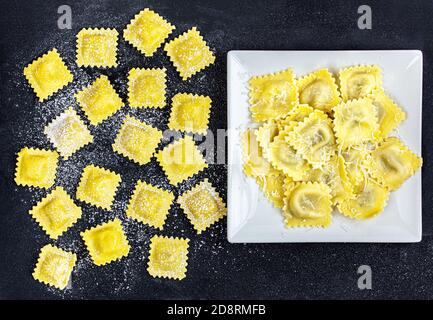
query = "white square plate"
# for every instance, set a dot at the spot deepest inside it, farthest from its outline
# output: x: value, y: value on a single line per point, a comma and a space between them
x: 251, y: 217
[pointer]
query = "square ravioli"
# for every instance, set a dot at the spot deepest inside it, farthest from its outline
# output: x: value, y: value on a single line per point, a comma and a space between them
x: 146, y: 87
x: 54, y: 266
x: 168, y: 257
x: 202, y: 205
x: 318, y: 90
x: 47, y: 74
x: 68, y: 133
x: 272, y: 96
x: 307, y: 204
x: 190, y: 112
x: 254, y: 162
x: 366, y: 203
x: 392, y: 163
x: 137, y: 140
x: 56, y: 212
x: 360, y: 81
x: 389, y: 114
x: 189, y: 53
x: 150, y: 204
x: 99, y: 100
x: 36, y: 167
x: 106, y: 242
x: 180, y: 160
x: 97, y: 48
x: 356, y: 122
x: 147, y: 31
x: 314, y: 139
x: 98, y: 186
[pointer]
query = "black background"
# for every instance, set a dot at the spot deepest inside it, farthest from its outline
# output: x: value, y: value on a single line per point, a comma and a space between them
x: 216, y: 269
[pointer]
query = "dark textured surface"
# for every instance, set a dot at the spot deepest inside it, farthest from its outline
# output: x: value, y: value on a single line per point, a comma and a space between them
x: 216, y: 268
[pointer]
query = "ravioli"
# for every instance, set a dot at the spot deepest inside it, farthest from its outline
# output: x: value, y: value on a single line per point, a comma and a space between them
x: 98, y: 186
x: 360, y: 81
x: 202, y: 205
x: 366, y: 203
x: 168, y: 257
x: 334, y: 175
x: 147, y: 87
x: 272, y: 96
x: 54, y: 266
x: 307, y: 204
x: 181, y: 160
x: 314, y: 139
x: 189, y: 53
x: 318, y: 90
x: 190, y: 112
x: 149, y: 204
x: 97, y: 47
x: 254, y: 163
x: 356, y: 122
x: 36, y: 167
x: 68, y: 133
x: 99, y: 100
x: 106, y: 242
x: 56, y: 213
x: 48, y: 74
x: 286, y: 159
x: 389, y: 115
x: 147, y: 31
x: 273, y: 188
x: 137, y: 140
x: 392, y: 163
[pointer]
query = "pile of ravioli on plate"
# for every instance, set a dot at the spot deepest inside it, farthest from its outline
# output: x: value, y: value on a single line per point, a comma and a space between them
x: 135, y: 140
x: 319, y: 145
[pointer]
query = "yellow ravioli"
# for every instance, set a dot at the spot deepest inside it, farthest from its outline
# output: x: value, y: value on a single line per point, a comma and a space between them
x: 355, y: 122
x: 334, y: 175
x: 149, y: 204
x: 99, y: 100
x: 56, y: 212
x: 355, y: 163
x: 359, y: 81
x: 106, y: 242
x: 313, y: 138
x: 202, y: 205
x: 146, y: 87
x: 366, y: 203
x: 297, y: 114
x: 266, y: 133
x: 168, y: 257
x: 54, y: 266
x: 286, y: 159
x: 254, y: 163
x: 180, y: 160
x: 273, y: 188
x: 47, y: 74
x: 272, y: 96
x: 137, y: 140
x: 389, y: 115
x: 98, y: 186
x: 147, y: 31
x: 97, y: 48
x: 392, y: 163
x: 190, y: 112
x: 307, y: 204
x: 68, y: 133
x: 189, y: 53
x: 36, y: 167
x: 318, y: 90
